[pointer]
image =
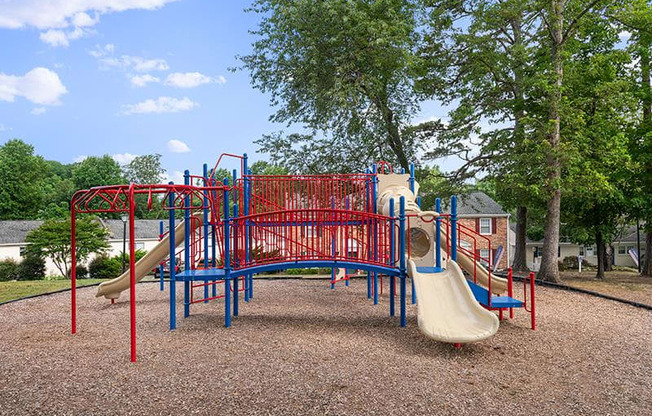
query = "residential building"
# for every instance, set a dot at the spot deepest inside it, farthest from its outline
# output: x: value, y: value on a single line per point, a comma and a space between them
x: 477, y: 212
x: 624, y: 245
x: 13, y: 233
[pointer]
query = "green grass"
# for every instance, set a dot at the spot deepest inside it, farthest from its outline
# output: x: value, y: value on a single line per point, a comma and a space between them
x: 16, y: 290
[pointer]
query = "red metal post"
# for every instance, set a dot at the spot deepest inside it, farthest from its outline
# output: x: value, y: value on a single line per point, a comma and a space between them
x: 510, y: 290
x: 532, y: 318
x: 73, y: 272
x: 132, y: 273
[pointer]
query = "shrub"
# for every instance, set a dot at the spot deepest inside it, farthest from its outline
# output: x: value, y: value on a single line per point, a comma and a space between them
x: 81, y: 272
x: 8, y: 270
x: 104, y: 267
x: 138, y: 255
x: 32, y: 267
x: 571, y: 262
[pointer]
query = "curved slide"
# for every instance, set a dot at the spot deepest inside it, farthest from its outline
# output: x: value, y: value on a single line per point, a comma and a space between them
x: 498, y: 284
x: 447, y: 309
x: 112, y: 288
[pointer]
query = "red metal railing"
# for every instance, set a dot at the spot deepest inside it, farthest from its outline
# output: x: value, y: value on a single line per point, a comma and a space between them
x: 308, y: 234
x: 271, y: 193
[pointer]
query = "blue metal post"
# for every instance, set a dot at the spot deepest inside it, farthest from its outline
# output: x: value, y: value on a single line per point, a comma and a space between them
x: 235, y: 248
x: 453, y: 228
x: 392, y: 253
x: 245, y: 184
x: 227, y: 258
x: 186, y: 266
x: 205, y: 173
x: 369, y: 205
x: 161, y: 269
x: 374, y: 193
x: 401, y: 219
x: 251, y: 276
x: 438, y: 235
x: 412, y: 177
x: 173, y: 261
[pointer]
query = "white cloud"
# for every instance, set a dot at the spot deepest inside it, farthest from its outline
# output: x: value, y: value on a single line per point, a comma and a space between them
x: 63, y: 14
x: 126, y: 62
x: 176, y: 177
x: 124, y: 158
x: 80, y: 158
x: 101, y: 51
x: 56, y: 37
x: 191, y: 79
x: 4, y: 128
x: 40, y: 86
x: 177, y: 146
x: 143, y: 80
x: 38, y: 111
x: 83, y: 19
x: 160, y: 105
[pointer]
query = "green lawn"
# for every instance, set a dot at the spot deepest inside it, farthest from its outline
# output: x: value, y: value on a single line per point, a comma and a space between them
x: 15, y: 290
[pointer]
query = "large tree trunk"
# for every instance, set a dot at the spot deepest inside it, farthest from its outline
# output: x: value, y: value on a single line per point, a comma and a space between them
x: 520, y: 252
x: 549, y: 267
x: 646, y: 270
x: 599, y: 241
x: 608, y: 257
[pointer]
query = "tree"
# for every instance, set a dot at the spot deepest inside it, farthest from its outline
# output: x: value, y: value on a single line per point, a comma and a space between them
x: 597, y: 116
x: 342, y: 69
x: 560, y: 21
x: 21, y: 181
x: 262, y: 167
x: 145, y: 169
x: 97, y: 171
x: 485, y: 68
x: 635, y: 16
x: 52, y: 239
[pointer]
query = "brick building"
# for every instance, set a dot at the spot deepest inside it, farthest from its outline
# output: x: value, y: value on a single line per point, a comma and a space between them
x: 478, y: 212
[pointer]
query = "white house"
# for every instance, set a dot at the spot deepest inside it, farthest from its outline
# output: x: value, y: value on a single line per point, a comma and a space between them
x: 624, y: 245
x: 13, y: 233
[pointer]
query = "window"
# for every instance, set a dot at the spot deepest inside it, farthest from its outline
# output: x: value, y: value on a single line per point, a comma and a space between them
x: 581, y: 250
x: 630, y: 248
x: 485, y: 226
x: 538, y: 251
x: 312, y: 231
x: 484, y: 256
x: 22, y: 250
x: 622, y: 250
x: 589, y: 251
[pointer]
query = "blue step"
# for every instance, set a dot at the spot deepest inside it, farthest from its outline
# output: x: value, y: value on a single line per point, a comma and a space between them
x: 482, y: 296
x: 200, y: 274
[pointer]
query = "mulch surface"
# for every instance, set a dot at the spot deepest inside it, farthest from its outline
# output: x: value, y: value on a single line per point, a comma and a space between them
x: 300, y: 349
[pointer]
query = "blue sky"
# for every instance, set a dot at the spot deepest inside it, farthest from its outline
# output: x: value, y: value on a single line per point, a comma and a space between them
x: 131, y: 77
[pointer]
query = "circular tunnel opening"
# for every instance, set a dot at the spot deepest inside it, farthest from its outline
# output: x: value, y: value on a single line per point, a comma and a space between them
x: 419, y: 243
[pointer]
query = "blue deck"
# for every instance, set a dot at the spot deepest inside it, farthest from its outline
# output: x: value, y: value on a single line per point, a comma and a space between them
x: 482, y: 295
x: 200, y: 274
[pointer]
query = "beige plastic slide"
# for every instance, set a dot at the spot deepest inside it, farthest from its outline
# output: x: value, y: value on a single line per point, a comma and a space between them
x: 447, y: 309
x: 113, y: 288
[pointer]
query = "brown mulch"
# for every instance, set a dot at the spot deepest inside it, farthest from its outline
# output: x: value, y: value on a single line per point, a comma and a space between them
x: 299, y: 348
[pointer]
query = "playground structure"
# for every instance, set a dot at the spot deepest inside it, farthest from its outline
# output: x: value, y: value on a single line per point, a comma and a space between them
x: 248, y: 224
